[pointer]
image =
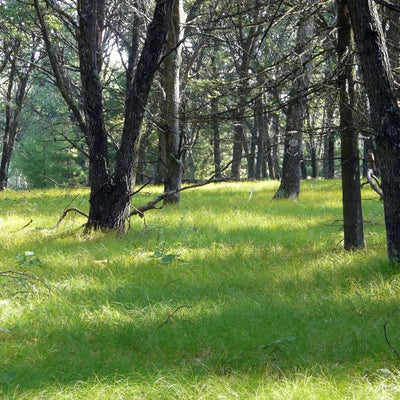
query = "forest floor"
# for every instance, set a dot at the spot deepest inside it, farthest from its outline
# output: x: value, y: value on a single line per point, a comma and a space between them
x: 230, y: 295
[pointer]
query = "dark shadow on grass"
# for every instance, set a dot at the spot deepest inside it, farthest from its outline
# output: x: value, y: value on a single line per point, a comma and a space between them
x: 256, y: 326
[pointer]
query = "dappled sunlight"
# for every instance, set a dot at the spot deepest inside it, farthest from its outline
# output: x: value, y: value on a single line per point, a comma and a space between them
x: 200, y: 298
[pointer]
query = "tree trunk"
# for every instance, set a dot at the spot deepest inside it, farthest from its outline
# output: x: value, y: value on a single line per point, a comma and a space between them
x: 238, y: 135
x: 171, y: 141
x: 274, y: 167
x: 351, y: 190
x: 262, y: 137
x: 329, y: 145
x: 290, y: 181
x: 385, y: 112
x: 216, y: 138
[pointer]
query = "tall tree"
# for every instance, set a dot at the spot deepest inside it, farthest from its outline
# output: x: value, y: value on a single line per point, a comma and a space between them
x: 170, y: 137
x: 111, y: 188
x: 385, y: 111
x: 351, y: 190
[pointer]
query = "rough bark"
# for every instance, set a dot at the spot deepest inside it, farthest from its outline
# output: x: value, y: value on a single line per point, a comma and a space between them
x: 351, y: 189
x: 385, y: 112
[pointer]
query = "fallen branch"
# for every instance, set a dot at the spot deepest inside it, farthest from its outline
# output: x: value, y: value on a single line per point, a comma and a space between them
x: 170, y: 316
x: 68, y: 210
x: 387, y: 339
x: 151, y: 205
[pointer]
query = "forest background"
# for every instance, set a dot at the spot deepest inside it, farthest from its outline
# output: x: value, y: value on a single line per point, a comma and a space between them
x: 118, y: 96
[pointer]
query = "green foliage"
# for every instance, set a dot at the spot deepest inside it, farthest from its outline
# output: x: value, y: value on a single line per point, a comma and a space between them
x: 48, y: 149
x: 262, y: 302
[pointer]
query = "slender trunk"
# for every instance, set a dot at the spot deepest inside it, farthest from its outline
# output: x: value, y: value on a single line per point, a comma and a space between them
x: 385, y: 112
x: 237, y: 148
x: 262, y: 137
x: 351, y: 191
x: 275, y: 169
x: 329, y: 145
x: 251, y: 159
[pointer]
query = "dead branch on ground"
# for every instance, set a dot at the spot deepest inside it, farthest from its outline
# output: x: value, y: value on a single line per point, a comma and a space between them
x: 68, y: 210
x: 25, y: 282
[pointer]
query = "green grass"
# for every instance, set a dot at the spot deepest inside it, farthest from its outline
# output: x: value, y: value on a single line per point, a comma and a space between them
x: 220, y: 297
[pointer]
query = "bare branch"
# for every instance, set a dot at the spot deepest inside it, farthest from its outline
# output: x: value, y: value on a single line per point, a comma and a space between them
x: 68, y: 210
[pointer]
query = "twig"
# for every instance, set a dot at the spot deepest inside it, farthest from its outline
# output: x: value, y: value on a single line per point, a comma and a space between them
x: 169, y: 318
x: 14, y: 275
x: 387, y: 339
x: 27, y: 224
x: 68, y: 210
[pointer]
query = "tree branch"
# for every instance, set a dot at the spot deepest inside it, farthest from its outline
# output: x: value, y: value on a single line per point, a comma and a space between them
x: 387, y: 339
x: 390, y: 6
x: 151, y: 205
x: 68, y: 210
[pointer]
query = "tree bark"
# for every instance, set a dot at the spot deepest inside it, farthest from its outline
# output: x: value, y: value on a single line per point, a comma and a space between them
x: 385, y: 112
x: 171, y: 142
x: 351, y: 190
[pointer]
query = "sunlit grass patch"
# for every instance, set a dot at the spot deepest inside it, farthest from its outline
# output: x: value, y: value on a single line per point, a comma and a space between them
x: 229, y: 295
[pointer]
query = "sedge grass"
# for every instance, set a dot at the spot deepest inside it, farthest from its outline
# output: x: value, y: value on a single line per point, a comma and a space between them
x: 225, y: 296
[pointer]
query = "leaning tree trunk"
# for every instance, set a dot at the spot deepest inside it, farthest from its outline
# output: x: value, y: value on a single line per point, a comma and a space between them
x: 351, y: 189
x: 291, y: 174
x: 385, y: 112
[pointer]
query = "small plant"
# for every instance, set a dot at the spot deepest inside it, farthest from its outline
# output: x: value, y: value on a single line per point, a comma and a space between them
x: 28, y: 259
x: 163, y: 255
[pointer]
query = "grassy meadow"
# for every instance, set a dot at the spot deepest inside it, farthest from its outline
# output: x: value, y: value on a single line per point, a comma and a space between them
x: 230, y: 295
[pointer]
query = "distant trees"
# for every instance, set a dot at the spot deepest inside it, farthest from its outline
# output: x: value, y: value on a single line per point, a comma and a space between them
x: 19, y: 55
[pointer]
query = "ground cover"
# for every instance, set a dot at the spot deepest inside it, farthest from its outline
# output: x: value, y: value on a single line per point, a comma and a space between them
x: 229, y: 295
